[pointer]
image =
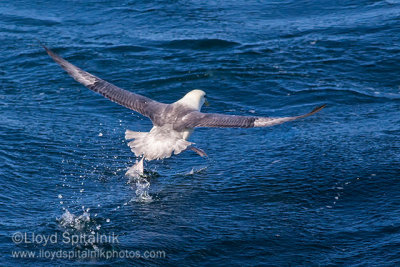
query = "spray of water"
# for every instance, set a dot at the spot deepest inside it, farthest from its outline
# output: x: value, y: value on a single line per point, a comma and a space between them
x: 138, y: 178
x: 77, y: 222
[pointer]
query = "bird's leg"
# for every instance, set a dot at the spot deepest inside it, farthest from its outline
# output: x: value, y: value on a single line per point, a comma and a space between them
x: 198, y: 151
x: 137, y: 169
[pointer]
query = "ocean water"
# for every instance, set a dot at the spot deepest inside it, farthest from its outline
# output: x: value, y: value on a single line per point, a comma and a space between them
x: 324, y: 190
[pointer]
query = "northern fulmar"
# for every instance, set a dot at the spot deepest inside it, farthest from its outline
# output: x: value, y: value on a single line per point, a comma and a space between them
x: 172, y: 123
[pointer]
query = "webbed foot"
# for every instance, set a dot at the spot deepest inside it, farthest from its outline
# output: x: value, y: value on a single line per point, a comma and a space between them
x: 198, y: 151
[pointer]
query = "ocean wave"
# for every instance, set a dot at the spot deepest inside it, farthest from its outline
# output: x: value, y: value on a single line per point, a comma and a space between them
x: 25, y: 19
x: 200, y: 44
x: 126, y: 48
x: 348, y: 95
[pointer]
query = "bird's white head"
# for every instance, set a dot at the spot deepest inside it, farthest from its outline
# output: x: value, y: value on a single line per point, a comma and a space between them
x: 194, y: 99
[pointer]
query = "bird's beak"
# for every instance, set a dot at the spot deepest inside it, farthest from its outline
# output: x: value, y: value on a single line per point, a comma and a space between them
x: 206, y: 102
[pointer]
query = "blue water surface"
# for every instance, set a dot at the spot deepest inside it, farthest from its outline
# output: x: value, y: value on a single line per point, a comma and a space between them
x: 324, y: 190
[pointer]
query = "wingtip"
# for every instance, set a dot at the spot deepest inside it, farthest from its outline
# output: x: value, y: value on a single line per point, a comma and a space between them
x: 45, y: 48
x: 48, y: 51
x: 41, y: 44
x: 315, y: 110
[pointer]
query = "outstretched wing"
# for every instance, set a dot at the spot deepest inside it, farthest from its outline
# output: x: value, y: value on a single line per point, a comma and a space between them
x: 138, y: 103
x: 198, y: 119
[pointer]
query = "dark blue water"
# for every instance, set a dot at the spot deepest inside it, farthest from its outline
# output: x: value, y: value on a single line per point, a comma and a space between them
x: 324, y: 190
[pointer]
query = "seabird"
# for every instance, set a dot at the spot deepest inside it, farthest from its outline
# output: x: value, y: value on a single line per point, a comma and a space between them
x: 172, y: 123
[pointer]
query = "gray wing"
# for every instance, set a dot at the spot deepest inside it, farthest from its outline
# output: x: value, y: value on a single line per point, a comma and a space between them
x: 138, y: 103
x: 198, y: 119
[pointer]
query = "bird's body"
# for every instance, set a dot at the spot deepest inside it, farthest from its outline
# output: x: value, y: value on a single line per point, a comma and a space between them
x: 172, y: 123
x: 169, y: 135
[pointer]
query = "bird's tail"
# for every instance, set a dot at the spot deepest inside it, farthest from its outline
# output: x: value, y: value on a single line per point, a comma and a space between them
x: 155, y: 144
x: 129, y: 135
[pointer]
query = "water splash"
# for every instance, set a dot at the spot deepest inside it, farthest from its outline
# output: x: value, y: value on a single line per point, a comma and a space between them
x: 84, y: 224
x: 69, y: 220
x: 193, y: 171
x: 138, y: 177
x: 142, y: 190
